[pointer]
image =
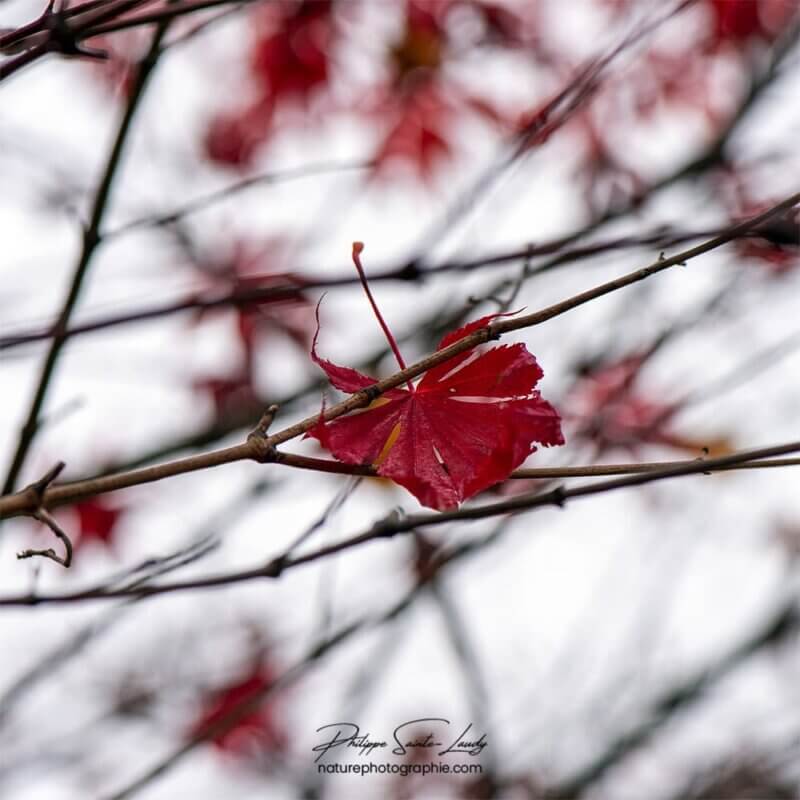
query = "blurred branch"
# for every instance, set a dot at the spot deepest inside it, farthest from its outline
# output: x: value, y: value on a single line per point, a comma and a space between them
x: 202, y: 203
x: 660, y: 238
x: 54, y: 33
x: 782, y: 623
x: 580, y: 88
x: 241, y: 709
x: 775, y: 630
x: 198, y: 545
x: 476, y: 694
x: 81, y: 268
x: 166, y: 14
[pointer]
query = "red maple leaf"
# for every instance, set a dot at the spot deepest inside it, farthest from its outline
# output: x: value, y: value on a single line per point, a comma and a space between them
x: 257, y: 726
x: 465, y: 426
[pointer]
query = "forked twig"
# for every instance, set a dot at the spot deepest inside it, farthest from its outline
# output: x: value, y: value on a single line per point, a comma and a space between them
x: 41, y: 514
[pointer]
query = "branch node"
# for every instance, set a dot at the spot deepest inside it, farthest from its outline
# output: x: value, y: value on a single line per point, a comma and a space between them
x: 371, y: 393
x: 266, y: 420
x: 274, y: 568
x: 410, y: 272
x: 263, y: 451
x: 559, y: 496
x: 62, y: 39
x: 388, y: 526
x: 36, y: 491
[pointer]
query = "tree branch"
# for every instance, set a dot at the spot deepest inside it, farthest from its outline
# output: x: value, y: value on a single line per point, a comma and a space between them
x: 397, y: 523
x: 263, y: 449
x: 81, y: 268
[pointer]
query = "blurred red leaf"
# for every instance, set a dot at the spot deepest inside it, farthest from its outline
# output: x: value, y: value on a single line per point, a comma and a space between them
x: 125, y: 49
x: 775, y: 244
x: 232, y: 397
x: 290, y: 55
x: 257, y: 726
x: 251, y: 266
x: 739, y: 21
x: 420, y: 104
x: 289, y: 61
x: 97, y: 521
x: 613, y: 412
x: 232, y: 138
x: 778, y: 245
x: 418, y: 137
x: 503, y: 26
x: 464, y: 427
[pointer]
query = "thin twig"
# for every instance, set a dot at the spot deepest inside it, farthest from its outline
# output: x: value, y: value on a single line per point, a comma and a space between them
x: 57, y: 33
x: 45, y: 518
x: 161, y: 15
x: 60, y: 31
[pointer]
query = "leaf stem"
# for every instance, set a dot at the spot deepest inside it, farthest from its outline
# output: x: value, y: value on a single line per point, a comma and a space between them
x: 357, y: 248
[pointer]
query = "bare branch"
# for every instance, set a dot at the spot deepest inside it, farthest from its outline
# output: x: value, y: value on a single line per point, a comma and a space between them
x: 397, y: 523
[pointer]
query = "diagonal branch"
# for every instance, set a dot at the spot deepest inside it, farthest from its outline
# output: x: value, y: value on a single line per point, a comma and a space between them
x: 81, y: 268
